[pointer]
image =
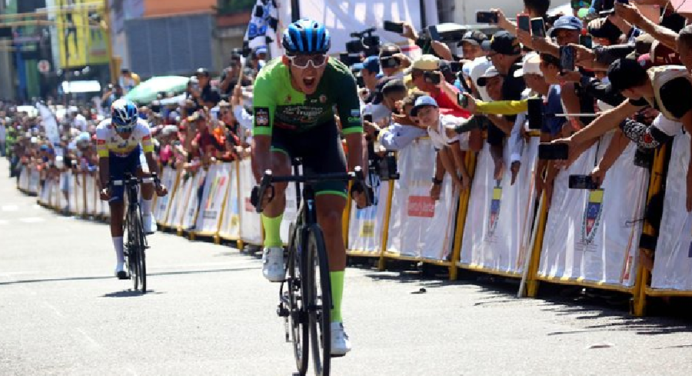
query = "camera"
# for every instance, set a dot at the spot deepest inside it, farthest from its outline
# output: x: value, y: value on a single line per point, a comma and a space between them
x: 432, y: 77
x: 364, y: 42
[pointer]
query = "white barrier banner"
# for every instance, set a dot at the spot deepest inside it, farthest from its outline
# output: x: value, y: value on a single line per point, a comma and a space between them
x: 215, y: 188
x: 78, y: 193
x: 674, y: 249
x: 250, y: 223
x: 230, y: 223
x: 365, y: 226
x: 175, y: 217
x: 576, y: 245
x: 44, y: 197
x: 66, y: 189
x: 34, y: 180
x: 168, y: 177
x: 193, y: 199
x: 92, y: 195
x: 498, y: 224
x: 290, y: 213
x: 24, y: 178
x: 414, y: 213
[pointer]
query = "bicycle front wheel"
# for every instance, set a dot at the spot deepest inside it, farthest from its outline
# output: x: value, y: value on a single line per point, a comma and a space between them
x: 298, y: 318
x: 319, y: 298
x: 137, y: 261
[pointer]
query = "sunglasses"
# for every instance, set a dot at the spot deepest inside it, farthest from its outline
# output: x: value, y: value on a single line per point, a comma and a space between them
x: 302, y: 61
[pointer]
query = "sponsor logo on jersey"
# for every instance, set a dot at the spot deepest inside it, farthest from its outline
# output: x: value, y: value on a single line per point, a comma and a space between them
x: 592, y: 216
x: 495, y: 205
x: 262, y: 116
x: 355, y: 113
x: 288, y: 99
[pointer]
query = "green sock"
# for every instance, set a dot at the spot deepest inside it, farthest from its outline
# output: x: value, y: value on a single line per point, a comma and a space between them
x: 337, y: 279
x: 272, y: 231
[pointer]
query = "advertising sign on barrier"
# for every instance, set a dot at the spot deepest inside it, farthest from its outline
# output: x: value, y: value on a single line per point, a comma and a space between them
x: 673, y: 261
x: 497, y: 231
x: 193, y: 200
x: 168, y: 178
x: 230, y: 223
x: 576, y: 246
x: 44, y: 196
x: 34, y: 177
x: 250, y: 223
x: 91, y: 195
x: 414, y: 213
x: 366, y: 225
x: 24, y: 179
x: 175, y: 217
x: 211, y: 209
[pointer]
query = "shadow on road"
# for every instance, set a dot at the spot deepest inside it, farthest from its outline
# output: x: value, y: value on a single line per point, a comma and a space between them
x: 129, y: 294
x: 181, y: 272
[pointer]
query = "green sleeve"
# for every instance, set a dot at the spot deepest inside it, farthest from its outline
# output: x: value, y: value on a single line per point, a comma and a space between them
x: 264, y: 106
x: 348, y: 105
x: 502, y: 107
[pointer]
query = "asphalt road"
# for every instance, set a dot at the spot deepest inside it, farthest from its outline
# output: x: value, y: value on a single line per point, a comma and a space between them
x: 209, y: 312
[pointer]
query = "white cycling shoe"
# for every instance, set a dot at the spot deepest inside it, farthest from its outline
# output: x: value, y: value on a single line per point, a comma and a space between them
x: 340, y: 342
x: 149, y: 224
x: 120, y: 271
x: 273, y: 264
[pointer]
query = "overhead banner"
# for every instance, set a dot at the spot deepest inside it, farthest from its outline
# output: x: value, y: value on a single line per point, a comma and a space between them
x: 230, y: 223
x: 345, y: 17
x: 414, y: 213
x: 211, y: 209
x: 673, y: 265
x: 497, y: 232
x: 250, y: 223
x: 576, y: 245
x: 81, y: 38
x: 366, y: 225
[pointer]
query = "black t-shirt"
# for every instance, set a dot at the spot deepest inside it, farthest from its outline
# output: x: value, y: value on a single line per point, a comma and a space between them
x: 512, y: 87
x: 671, y: 94
x: 210, y: 94
x: 234, y: 83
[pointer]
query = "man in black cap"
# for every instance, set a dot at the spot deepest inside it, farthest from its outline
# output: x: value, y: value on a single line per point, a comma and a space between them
x: 504, y: 51
x: 207, y: 96
x: 229, y: 77
x: 471, y: 44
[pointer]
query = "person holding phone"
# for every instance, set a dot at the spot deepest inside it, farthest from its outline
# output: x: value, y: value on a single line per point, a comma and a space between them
x: 426, y: 76
x: 392, y: 61
x: 533, y: 8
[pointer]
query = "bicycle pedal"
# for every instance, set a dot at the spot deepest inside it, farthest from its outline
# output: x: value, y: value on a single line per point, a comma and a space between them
x: 282, y: 311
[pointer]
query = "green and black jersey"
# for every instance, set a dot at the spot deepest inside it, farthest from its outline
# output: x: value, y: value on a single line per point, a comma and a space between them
x: 277, y: 104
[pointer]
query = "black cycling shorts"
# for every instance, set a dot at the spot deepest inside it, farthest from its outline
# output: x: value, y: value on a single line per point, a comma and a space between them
x: 321, y: 151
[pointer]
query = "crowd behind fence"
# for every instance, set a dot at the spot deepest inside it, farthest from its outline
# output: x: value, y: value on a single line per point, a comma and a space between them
x: 610, y: 83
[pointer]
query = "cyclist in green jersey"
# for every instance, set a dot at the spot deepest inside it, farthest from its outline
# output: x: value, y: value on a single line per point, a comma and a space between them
x: 294, y: 106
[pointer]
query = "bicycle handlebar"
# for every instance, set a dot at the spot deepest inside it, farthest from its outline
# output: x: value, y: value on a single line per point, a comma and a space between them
x: 268, y: 178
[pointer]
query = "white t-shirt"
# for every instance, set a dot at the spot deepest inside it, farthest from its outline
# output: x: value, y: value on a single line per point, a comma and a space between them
x: 80, y: 123
x: 439, y: 137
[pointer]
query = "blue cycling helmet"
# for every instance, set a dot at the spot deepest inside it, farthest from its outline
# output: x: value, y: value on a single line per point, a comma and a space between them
x: 124, y: 115
x: 306, y: 36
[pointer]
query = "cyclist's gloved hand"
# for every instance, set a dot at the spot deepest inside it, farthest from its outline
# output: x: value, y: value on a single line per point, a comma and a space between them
x: 261, y: 203
x: 362, y: 194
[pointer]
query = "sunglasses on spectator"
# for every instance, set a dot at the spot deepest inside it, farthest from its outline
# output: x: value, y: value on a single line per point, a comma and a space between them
x: 302, y: 61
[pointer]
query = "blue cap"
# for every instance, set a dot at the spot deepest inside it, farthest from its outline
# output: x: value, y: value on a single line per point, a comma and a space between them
x: 372, y: 64
x: 565, y: 23
x: 421, y: 102
x: 44, y: 148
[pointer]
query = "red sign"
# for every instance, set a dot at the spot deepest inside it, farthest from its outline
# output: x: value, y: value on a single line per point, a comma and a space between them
x: 421, y: 206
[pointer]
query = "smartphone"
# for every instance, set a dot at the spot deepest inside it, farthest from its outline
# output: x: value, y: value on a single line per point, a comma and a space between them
x: 434, y: 34
x: 553, y: 152
x: 462, y: 100
x: 623, y: 1
x: 524, y: 22
x: 394, y: 27
x: 536, y: 113
x: 432, y: 77
x: 486, y: 17
x: 367, y: 117
x: 567, y: 56
x: 538, y: 27
x: 586, y: 41
x: 582, y: 182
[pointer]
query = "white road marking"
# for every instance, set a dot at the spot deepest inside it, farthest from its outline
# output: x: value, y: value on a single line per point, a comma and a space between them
x: 53, y: 308
x: 88, y: 338
x: 10, y: 208
x: 31, y: 219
